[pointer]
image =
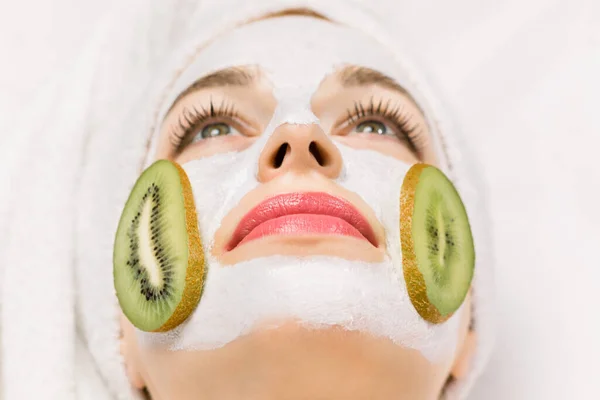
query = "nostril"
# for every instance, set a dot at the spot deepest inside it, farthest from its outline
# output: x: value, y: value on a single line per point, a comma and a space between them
x: 280, y: 155
x: 318, y: 153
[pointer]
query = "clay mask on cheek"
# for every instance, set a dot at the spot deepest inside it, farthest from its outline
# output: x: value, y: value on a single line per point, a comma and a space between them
x: 317, y: 291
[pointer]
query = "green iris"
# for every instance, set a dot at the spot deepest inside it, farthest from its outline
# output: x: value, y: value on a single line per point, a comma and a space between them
x: 372, y: 127
x: 214, y: 130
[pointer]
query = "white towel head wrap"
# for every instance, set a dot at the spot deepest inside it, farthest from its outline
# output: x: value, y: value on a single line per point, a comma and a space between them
x: 94, y: 147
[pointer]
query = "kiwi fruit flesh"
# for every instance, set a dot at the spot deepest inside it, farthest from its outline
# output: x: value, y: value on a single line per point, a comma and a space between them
x: 158, y: 261
x: 438, y: 255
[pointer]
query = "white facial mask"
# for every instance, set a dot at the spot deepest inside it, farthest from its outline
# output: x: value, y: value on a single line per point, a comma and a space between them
x: 316, y: 291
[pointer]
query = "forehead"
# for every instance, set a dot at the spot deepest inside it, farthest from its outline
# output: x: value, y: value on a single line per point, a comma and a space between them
x: 292, y: 52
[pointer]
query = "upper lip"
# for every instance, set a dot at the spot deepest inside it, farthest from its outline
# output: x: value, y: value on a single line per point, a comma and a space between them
x: 301, y: 203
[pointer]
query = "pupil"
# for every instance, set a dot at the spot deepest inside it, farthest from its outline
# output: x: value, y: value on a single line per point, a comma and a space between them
x: 372, y: 127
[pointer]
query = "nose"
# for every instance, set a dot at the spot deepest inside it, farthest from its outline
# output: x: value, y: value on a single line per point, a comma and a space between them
x: 300, y: 149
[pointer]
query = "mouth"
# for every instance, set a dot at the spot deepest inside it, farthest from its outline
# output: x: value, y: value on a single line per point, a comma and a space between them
x: 307, y: 213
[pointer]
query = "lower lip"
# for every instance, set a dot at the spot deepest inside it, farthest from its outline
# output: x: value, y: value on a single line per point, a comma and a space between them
x: 302, y: 224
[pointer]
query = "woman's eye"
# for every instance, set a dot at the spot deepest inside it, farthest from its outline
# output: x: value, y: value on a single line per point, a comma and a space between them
x: 375, y: 127
x: 214, y: 130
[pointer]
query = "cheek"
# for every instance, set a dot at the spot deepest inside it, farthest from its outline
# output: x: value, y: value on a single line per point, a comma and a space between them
x: 204, y: 148
x: 210, y: 147
x: 385, y: 145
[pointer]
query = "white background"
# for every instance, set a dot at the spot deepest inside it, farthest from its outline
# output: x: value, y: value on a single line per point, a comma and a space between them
x: 524, y: 77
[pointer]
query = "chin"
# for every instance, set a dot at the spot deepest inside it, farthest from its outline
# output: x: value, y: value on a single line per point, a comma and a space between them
x: 294, y: 362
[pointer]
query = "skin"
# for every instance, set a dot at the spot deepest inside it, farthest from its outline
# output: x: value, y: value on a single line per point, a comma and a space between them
x: 292, y: 362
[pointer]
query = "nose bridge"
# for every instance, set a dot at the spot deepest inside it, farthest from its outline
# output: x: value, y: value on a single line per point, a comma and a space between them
x: 299, y: 148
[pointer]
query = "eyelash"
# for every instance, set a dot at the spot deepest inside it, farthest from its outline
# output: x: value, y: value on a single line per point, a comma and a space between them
x: 400, y: 119
x: 191, y: 119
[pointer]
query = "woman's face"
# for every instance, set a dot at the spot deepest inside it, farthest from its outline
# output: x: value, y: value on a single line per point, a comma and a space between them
x: 298, y: 111
x: 356, y: 106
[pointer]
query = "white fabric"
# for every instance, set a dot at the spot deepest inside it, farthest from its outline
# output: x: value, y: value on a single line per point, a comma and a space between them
x: 568, y: 38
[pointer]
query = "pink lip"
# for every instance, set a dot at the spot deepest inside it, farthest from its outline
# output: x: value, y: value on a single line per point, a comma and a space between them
x: 302, y: 213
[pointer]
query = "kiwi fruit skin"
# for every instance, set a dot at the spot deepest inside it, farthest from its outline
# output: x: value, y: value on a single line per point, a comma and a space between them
x: 416, y: 282
x: 185, y: 292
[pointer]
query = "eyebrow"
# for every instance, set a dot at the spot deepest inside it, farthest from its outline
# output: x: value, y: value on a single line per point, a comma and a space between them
x: 233, y: 76
x: 353, y: 75
x: 350, y: 76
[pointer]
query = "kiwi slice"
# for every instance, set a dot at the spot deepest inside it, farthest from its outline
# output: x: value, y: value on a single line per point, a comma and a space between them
x: 438, y: 256
x: 158, y: 262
